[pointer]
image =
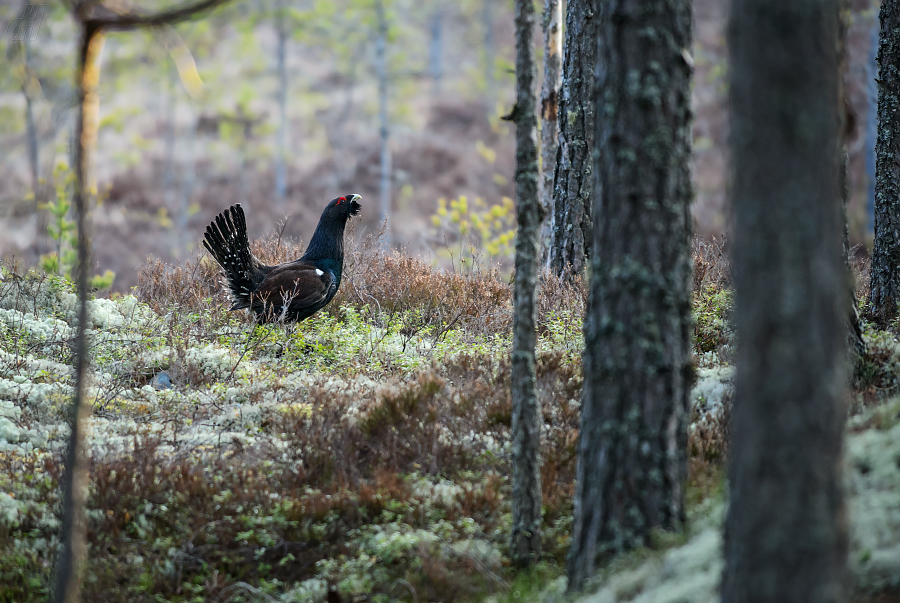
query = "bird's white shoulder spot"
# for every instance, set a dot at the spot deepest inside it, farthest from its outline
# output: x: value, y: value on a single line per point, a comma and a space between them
x: 319, y: 272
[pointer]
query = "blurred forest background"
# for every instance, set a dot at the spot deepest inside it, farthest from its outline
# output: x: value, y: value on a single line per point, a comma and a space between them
x: 287, y: 115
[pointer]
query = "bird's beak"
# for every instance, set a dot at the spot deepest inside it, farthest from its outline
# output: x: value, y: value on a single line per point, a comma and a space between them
x: 354, y: 204
x: 355, y: 198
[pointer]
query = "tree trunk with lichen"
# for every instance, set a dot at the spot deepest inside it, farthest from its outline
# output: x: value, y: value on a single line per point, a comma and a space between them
x: 525, y: 540
x: 552, y: 25
x: 785, y: 531
x: 637, y: 360
x: 573, y: 182
x: 884, y: 283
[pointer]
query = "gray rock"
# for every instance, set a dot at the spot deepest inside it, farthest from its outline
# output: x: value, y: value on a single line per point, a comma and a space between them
x: 161, y: 380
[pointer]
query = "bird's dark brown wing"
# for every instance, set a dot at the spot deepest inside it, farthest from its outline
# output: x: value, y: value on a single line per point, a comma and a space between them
x: 297, y: 285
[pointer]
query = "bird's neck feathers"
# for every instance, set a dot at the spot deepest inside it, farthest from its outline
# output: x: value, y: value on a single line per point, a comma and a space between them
x: 327, y: 242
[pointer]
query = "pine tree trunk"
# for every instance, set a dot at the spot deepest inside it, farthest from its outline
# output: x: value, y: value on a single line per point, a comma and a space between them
x: 785, y: 536
x: 552, y: 25
x: 526, y: 417
x: 573, y: 187
x: 884, y: 284
x: 637, y: 363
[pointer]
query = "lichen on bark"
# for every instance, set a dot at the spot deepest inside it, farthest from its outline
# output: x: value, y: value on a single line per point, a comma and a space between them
x: 637, y: 367
x: 884, y: 283
x: 525, y: 539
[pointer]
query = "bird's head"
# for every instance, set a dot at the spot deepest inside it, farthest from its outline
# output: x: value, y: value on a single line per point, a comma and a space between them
x: 344, y: 206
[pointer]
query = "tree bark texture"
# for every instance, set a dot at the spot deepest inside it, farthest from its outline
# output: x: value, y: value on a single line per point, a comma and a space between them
x: 552, y: 25
x: 70, y: 562
x: 637, y: 364
x: 525, y: 541
x: 884, y: 279
x: 785, y: 535
x: 573, y: 186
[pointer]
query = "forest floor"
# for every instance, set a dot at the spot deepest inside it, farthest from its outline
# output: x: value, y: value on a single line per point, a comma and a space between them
x: 364, y: 450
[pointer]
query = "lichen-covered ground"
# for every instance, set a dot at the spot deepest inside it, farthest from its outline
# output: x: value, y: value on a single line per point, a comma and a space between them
x: 364, y: 450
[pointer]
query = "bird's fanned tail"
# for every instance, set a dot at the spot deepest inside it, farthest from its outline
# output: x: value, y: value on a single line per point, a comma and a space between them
x: 226, y: 239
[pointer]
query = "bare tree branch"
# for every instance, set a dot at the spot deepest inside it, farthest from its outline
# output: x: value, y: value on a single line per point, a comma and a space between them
x: 104, y: 17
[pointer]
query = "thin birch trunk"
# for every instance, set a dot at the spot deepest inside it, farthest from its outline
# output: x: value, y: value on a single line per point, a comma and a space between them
x: 169, y: 185
x: 487, y: 20
x: 552, y: 25
x: 436, y: 52
x: 281, y: 156
x: 384, y: 123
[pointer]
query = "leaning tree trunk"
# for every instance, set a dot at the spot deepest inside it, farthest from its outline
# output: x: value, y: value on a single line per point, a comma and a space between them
x: 573, y: 188
x: 884, y: 282
x: 72, y: 536
x: 637, y: 359
x: 526, y: 416
x: 552, y: 25
x: 785, y: 534
x: 92, y: 27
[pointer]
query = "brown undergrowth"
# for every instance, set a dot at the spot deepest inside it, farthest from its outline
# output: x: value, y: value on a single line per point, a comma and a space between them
x: 341, y: 463
x: 384, y: 283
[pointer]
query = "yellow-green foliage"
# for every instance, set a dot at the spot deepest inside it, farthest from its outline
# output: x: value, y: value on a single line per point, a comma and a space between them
x: 712, y: 313
x: 62, y: 230
x: 477, y: 227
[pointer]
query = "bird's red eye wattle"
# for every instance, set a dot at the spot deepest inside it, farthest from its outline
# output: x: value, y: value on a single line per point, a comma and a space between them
x: 341, y: 200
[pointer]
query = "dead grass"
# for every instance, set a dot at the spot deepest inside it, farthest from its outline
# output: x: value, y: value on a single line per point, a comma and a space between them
x: 712, y: 265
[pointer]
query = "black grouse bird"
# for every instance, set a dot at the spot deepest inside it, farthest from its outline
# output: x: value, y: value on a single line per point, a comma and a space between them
x: 291, y: 291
